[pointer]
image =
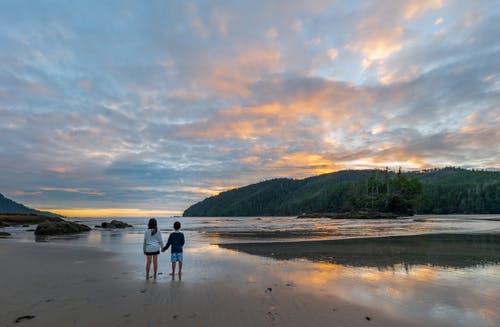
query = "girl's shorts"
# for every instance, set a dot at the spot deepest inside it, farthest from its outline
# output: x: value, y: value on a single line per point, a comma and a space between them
x: 152, y: 253
x: 174, y: 257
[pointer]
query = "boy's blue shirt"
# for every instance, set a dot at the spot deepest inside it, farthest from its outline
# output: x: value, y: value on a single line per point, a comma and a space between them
x: 176, y: 239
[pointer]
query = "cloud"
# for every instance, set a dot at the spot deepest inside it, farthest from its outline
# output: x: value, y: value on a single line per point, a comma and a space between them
x: 104, y: 104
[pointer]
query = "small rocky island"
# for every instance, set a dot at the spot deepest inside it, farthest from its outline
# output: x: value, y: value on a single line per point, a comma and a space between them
x: 114, y: 224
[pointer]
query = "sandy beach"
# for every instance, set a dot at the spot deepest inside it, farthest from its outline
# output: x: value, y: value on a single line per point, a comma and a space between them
x: 62, y: 285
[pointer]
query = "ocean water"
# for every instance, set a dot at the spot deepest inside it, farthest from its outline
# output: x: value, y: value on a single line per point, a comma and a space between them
x: 465, y: 293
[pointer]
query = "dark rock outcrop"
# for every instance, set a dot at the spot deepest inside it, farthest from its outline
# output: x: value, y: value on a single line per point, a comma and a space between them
x: 4, y: 234
x: 3, y: 224
x: 60, y: 228
x: 115, y: 224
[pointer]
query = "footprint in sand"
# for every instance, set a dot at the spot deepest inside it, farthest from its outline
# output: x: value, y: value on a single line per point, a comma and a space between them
x: 27, y: 317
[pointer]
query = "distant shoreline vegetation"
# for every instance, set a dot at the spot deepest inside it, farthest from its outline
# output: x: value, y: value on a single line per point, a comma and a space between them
x: 374, y: 192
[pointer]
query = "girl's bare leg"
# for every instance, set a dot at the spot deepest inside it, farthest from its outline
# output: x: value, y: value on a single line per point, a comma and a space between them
x: 148, y: 264
x: 155, y: 265
x: 180, y: 267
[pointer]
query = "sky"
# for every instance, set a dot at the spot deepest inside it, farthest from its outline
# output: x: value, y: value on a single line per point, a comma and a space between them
x: 142, y: 108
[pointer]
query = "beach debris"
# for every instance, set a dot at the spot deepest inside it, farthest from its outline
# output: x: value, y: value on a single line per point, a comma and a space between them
x: 115, y: 224
x: 175, y: 316
x: 268, y: 290
x: 27, y: 317
x: 290, y: 284
x: 4, y: 234
x: 272, y: 316
x: 26, y: 225
x: 60, y: 227
x: 368, y: 318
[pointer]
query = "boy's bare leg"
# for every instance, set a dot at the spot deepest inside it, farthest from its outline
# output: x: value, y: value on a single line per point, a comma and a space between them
x: 148, y: 264
x: 155, y: 265
x: 180, y: 267
x: 173, y: 269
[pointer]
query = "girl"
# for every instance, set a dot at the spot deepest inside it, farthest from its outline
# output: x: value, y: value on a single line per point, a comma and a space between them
x: 151, y: 246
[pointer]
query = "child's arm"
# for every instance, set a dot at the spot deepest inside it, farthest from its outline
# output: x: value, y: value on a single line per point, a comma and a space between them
x: 182, y: 239
x: 160, y: 239
x: 168, y: 243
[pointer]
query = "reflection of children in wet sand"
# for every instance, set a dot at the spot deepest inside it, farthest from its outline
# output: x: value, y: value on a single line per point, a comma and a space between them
x: 176, y: 239
x: 151, y: 246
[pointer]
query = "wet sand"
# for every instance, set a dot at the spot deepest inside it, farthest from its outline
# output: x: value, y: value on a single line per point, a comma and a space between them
x: 61, y: 285
x: 442, y: 250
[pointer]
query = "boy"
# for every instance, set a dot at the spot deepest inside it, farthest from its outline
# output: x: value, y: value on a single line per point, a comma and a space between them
x: 176, y: 239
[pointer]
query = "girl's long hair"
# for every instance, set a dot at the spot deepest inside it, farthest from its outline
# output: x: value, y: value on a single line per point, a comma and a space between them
x: 153, y: 225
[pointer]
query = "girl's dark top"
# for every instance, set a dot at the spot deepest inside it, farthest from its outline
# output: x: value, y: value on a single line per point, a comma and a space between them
x: 175, y: 239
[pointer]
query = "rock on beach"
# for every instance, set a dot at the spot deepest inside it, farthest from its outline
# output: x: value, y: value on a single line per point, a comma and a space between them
x: 60, y: 228
x: 115, y: 224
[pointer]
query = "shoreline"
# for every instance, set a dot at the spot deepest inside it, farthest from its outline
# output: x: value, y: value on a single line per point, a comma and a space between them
x: 61, y: 284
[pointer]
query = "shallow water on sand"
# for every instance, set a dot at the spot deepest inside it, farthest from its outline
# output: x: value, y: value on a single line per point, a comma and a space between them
x: 415, y: 285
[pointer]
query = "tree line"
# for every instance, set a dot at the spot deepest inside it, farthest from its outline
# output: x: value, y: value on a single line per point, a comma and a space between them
x: 436, y: 191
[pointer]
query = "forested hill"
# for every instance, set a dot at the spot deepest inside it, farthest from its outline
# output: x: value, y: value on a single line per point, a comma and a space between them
x: 443, y: 191
x: 11, y: 207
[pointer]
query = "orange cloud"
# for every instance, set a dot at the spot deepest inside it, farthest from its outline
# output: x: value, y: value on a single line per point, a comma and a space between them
x: 378, y: 44
x: 111, y: 212
x: 304, y: 112
x: 60, y: 170
x: 413, y: 8
x: 313, y: 163
x: 232, y: 76
x: 73, y: 190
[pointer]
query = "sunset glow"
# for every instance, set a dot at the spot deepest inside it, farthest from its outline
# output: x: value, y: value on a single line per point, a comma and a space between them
x: 138, y: 109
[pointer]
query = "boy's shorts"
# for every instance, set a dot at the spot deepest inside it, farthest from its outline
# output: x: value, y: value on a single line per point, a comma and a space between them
x: 174, y: 257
